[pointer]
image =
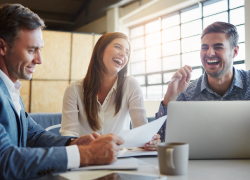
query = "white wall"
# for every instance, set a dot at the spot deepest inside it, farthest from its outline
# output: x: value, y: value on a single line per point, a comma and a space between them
x: 151, y: 107
x: 153, y: 9
x: 133, y: 6
x: 112, y: 19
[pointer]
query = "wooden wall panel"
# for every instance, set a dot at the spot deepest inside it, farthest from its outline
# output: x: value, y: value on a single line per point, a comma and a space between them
x: 82, y: 46
x: 56, y: 56
x: 25, y: 94
x: 47, y: 96
x: 96, y: 37
x: 66, y: 58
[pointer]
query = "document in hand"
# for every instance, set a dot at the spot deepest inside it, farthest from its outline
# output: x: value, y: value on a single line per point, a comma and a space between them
x: 130, y: 163
x: 141, y: 135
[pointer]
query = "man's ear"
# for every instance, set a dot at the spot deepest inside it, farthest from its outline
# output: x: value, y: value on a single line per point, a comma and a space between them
x: 235, y: 51
x: 3, y: 47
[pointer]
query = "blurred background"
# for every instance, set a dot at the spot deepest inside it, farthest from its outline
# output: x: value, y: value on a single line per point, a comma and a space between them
x: 164, y: 34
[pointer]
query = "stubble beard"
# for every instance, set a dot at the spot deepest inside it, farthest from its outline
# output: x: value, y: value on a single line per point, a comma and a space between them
x: 220, y: 72
x: 25, y: 75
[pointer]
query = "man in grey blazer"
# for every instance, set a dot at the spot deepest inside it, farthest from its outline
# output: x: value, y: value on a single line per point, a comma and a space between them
x: 26, y: 149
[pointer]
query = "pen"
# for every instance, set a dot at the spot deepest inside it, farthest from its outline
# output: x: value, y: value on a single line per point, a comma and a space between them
x: 171, y: 81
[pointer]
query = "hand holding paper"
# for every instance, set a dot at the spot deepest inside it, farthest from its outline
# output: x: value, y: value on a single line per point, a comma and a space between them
x: 141, y: 135
x: 152, y: 145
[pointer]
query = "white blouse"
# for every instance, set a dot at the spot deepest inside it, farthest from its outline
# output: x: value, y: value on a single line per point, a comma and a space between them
x: 74, y: 119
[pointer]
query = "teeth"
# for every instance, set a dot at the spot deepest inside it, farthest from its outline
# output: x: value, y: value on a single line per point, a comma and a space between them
x: 118, y: 61
x: 212, y: 61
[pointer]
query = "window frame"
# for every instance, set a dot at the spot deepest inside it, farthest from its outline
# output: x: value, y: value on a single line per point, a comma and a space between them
x: 162, y: 72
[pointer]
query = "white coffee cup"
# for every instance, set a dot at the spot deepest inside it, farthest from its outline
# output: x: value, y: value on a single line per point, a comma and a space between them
x: 173, y: 158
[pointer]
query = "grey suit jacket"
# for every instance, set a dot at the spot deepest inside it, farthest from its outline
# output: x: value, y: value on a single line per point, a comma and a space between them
x: 26, y: 149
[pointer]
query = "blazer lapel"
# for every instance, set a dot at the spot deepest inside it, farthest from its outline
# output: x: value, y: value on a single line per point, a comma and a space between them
x: 24, y: 124
x: 19, y: 124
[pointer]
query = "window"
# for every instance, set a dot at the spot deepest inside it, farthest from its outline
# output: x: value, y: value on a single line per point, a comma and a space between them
x: 162, y: 46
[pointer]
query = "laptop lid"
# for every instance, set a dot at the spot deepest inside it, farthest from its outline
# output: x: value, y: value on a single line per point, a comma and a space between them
x: 213, y: 129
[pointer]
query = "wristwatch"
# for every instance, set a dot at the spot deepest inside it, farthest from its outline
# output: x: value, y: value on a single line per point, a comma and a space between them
x: 69, y: 141
x: 72, y: 139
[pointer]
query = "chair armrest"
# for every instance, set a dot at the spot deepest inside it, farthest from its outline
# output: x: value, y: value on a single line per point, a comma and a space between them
x: 53, y: 127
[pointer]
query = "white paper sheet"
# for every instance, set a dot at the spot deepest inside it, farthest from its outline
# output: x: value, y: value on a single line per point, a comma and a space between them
x: 141, y: 135
x: 129, y: 152
x: 130, y: 163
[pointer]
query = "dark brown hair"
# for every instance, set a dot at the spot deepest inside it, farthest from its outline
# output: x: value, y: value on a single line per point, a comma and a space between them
x: 13, y: 17
x: 92, y: 81
x: 222, y: 27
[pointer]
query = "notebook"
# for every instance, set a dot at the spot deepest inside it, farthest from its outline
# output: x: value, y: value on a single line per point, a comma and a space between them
x: 213, y: 129
x: 135, y: 151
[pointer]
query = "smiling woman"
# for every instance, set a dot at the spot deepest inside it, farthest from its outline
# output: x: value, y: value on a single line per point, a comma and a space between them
x: 115, y: 56
x: 106, y: 99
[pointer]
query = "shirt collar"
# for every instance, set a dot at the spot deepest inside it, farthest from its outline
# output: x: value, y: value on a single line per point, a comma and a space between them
x: 9, y: 84
x: 114, y: 87
x: 237, y: 81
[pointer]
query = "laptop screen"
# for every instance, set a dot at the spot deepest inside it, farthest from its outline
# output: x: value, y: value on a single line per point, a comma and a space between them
x: 213, y: 129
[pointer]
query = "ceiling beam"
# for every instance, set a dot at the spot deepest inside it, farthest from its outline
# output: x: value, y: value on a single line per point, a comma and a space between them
x: 52, y: 17
x: 84, y: 19
x: 58, y: 21
x: 83, y: 7
x: 48, y: 13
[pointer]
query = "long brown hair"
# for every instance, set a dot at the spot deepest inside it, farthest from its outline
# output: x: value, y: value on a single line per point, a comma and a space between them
x: 92, y: 80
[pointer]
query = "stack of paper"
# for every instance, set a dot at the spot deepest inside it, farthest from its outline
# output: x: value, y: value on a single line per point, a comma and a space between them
x: 138, y: 151
x: 136, y: 137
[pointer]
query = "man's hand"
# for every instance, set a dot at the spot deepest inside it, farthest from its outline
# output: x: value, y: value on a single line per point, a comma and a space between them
x: 178, y: 86
x: 102, y: 150
x: 85, y: 139
x: 152, y: 145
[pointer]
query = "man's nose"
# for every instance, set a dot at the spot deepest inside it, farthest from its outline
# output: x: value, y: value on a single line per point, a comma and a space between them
x: 210, y: 52
x: 38, y: 58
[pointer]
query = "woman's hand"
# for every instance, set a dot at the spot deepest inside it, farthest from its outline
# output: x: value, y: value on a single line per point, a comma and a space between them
x: 152, y: 145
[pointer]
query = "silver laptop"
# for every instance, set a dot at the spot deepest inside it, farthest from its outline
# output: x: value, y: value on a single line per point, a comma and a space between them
x: 213, y: 129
